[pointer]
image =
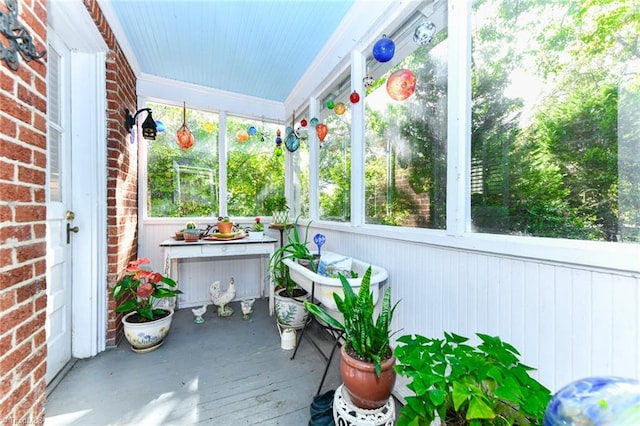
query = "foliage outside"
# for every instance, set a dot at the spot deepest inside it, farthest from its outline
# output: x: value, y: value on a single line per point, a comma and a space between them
x: 144, y: 289
x: 365, y: 339
x: 466, y: 385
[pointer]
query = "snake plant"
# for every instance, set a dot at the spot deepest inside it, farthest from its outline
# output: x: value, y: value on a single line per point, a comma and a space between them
x: 368, y: 339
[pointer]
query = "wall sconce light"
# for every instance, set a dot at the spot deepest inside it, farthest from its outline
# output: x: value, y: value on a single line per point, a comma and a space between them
x: 149, y: 127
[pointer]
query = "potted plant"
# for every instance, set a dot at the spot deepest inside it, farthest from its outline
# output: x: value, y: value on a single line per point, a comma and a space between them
x: 225, y: 226
x: 366, y: 358
x: 256, y: 232
x: 467, y: 385
x: 277, y: 205
x: 145, y: 323
x: 289, y: 298
x: 191, y: 232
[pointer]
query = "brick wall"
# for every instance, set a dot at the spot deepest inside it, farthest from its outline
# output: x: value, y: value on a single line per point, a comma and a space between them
x: 122, y: 164
x: 23, y: 163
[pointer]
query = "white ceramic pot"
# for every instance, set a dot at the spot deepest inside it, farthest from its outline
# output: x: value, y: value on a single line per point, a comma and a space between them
x: 146, y: 336
x: 256, y: 235
x: 291, y: 312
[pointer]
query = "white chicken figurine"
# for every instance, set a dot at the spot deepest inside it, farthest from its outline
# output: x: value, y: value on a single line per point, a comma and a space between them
x: 222, y: 299
x: 199, y: 312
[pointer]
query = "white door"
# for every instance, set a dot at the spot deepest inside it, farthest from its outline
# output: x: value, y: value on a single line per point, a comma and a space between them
x: 60, y: 228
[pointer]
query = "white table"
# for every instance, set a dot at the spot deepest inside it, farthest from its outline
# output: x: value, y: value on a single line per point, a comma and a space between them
x: 174, y: 250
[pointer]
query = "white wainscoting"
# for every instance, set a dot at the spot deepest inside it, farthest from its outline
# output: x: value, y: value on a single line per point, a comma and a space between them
x: 568, y: 321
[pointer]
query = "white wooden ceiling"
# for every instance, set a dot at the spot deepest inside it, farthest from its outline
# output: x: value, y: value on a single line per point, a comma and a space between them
x: 248, y: 47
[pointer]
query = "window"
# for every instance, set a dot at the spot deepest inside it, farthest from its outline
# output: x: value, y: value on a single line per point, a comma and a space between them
x: 334, y: 157
x: 406, y: 140
x: 555, y: 131
x: 183, y: 183
x: 255, y: 167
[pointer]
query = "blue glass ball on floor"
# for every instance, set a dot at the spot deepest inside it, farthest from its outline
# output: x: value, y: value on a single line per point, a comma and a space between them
x: 596, y: 401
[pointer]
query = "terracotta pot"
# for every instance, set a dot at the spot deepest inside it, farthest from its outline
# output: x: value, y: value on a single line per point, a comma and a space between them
x: 225, y: 227
x: 365, y: 389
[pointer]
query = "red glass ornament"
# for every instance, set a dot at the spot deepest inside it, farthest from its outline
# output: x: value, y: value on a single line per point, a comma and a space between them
x: 401, y: 84
x: 303, y: 122
x: 354, y: 97
x: 321, y: 131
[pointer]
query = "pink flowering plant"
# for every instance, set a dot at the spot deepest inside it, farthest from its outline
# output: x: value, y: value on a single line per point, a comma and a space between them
x: 145, y: 288
x: 257, y: 226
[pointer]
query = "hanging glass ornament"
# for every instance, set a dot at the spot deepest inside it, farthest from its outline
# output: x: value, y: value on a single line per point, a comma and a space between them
x: 242, y: 136
x: 292, y: 141
x: 368, y: 80
x: 340, y: 108
x: 303, y: 122
x: 354, y: 97
x: 278, y: 149
x: 424, y: 33
x: 321, y: 131
x: 384, y: 49
x: 401, y: 84
x: 160, y: 127
x: 303, y: 134
x: 314, y: 122
x: 184, y: 137
x: 330, y: 104
x: 252, y: 130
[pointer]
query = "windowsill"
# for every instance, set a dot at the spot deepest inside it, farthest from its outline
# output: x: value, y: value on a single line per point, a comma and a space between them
x: 621, y: 257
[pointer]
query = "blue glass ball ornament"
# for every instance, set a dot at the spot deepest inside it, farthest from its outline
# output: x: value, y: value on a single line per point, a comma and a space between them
x: 598, y: 401
x: 384, y: 49
x: 314, y: 122
x: 252, y: 131
x: 160, y: 127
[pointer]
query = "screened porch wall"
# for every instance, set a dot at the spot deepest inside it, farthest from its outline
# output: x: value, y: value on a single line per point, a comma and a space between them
x: 567, y: 321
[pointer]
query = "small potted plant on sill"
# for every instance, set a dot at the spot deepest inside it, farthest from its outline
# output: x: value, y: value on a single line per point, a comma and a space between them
x: 146, y: 324
x: 467, y: 385
x: 256, y: 232
x: 277, y: 205
x: 367, y: 360
x: 225, y: 226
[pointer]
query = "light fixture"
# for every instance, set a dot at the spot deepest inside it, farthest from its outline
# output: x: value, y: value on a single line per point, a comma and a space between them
x: 149, y: 127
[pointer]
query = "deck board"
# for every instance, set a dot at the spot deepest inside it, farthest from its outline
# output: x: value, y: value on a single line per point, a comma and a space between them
x: 226, y: 371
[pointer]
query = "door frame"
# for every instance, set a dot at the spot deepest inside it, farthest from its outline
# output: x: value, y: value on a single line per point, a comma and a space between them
x: 75, y: 27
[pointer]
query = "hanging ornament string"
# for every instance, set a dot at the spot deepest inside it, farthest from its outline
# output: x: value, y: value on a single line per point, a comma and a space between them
x: 185, y: 139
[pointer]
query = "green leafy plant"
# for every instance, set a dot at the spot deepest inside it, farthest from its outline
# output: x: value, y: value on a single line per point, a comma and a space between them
x: 467, y: 385
x: 257, y: 226
x: 191, y: 225
x: 294, y: 249
x: 276, y: 203
x: 224, y: 219
x: 145, y: 288
x: 366, y: 339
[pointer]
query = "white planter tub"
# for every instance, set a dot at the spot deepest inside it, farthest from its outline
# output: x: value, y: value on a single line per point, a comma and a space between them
x: 325, y: 286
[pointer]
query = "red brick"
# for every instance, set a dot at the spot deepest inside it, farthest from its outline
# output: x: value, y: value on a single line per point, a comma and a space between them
x: 17, y: 233
x: 7, y: 171
x: 25, y: 331
x: 14, y: 109
x: 31, y: 175
x: 31, y: 137
x: 14, y: 276
x: 13, y: 151
x: 30, y: 213
x: 8, y: 127
x: 29, y: 290
x: 11, y: 192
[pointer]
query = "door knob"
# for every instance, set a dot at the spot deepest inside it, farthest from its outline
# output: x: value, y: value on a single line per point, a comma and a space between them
x: 71, y: 229
x: 70, y: 215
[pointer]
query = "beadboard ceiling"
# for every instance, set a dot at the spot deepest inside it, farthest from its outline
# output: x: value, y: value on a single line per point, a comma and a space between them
x: 249, y: 47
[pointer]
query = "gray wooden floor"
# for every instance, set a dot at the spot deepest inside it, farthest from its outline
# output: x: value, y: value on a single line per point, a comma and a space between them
x: 227, y: 371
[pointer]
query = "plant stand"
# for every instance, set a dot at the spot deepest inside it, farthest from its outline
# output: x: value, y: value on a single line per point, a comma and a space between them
x: 347, y: 414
